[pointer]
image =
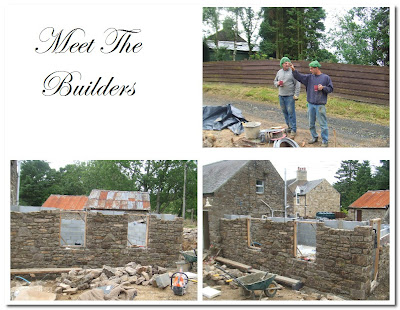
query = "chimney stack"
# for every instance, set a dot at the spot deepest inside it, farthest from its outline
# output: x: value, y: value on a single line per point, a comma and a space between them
x: 301, y: 174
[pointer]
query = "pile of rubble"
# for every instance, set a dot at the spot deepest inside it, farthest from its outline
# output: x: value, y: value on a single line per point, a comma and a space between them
x: 189, y: 239
x: 109, y: 283
x: 215, y: 277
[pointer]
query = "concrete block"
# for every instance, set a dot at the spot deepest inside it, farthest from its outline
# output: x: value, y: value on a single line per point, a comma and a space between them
x: 163, y: 280
x: 209, y: 292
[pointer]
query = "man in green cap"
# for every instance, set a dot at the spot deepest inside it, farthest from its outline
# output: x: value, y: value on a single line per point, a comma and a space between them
x: 289, y: 90
x: 318, y: 86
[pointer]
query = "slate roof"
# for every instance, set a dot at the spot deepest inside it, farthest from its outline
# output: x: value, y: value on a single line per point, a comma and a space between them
x: 118, y: 200
x: 66, y: 202
x: 217, y: 174
x: 373, y: 200
x: 305, y: 186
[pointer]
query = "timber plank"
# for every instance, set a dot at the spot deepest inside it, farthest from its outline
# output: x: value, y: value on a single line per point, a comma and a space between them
x: 42, y: 270
x: 232, y: 263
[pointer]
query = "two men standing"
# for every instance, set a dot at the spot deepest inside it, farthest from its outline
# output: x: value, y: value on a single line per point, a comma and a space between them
x: 318, y: 86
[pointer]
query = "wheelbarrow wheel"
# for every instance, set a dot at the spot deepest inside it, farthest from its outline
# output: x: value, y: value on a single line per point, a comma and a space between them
x: 270, y: 291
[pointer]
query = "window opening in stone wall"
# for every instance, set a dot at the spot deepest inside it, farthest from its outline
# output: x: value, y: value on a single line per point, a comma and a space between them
x: 305, y: 240
x: 259, y: 186
x: 73, y: 229
x: 252, y: 239
x: 138, y: 230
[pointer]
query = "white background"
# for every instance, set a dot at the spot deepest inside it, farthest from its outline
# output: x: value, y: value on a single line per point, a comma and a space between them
x: 163, y: 120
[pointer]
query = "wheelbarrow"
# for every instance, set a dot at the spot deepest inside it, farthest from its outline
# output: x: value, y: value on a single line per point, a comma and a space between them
x: 190, y: 257
x: 260, y: 281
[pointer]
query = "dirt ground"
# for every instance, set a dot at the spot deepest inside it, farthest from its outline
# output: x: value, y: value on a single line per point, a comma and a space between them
x: 342, y: 132
x: 144, y: 293
x: 304, y: 294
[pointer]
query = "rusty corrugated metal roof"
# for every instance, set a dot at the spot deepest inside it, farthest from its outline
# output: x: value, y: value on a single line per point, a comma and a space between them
x: 66, y: 202
x: 372, y: 199
x: 118, y: 200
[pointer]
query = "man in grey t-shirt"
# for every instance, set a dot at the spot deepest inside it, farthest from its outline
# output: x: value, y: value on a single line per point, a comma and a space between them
x: 289, y: 89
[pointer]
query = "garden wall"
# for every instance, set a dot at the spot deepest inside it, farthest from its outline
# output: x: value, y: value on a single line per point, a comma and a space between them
x: 343, y: 262
x: 35, y: 242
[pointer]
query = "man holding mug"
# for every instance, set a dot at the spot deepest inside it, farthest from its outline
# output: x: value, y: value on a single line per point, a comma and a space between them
x: 318, y: 86
x: 289, y: 90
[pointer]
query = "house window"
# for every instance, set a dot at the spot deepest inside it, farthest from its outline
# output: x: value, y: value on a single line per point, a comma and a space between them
x: 297, y: 199
x: 138, y: 226
x: 260, y: 187
x: 72, y: 229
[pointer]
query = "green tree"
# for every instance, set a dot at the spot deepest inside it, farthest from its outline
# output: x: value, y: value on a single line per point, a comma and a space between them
x: 249, y: 22
x: 363, y: 181
x: 235, y: 12
x: 292, y: 32
x: 345, y: 185
x: 382, y: 176
x: 211, y: 16
x: 362, y: 36
x: 37, y: 182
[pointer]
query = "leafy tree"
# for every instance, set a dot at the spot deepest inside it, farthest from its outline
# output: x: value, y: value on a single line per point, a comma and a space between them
x: 382, y: 176
x: 355, y: 179
x: 346, y: 176
x: 364, y: 181
x: 236, y: 11
x: 36, y: 182
x: 362, y: 36
x: 249, y: 21
x: 211, y: 17
x: 292, y: 32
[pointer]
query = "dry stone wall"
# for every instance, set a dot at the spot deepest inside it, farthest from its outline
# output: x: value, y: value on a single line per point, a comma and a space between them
x: 35, y: 242
x: 343, y: 262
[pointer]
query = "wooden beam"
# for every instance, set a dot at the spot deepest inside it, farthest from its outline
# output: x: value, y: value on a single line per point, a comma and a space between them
x: 248, y: 233
x: 295, y: 239
x: 232, y: 263
x: 292, y: 283
x: 42, y: 270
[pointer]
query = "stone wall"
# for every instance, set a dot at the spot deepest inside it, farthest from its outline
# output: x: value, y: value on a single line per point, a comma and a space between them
x: 238, y: 195
x: 35, y: 242
x: 367, y: 214
x: 343, y: 262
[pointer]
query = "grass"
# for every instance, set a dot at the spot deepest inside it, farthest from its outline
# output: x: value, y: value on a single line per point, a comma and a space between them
x: 336, y: 107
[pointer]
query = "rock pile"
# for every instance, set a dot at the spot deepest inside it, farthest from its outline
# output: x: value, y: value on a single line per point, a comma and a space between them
x: 117, y: 279
x: 214, y: 277
x: 189, y: 239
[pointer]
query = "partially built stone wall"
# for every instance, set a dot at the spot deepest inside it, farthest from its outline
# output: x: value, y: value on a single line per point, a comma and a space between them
x: 35, y: 242
x: 343, y: 262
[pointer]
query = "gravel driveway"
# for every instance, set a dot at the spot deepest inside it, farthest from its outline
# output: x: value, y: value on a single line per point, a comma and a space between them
x: 350, y: 133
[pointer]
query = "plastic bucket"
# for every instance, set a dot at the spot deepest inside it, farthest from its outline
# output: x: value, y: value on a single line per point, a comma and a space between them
x: 252, y: 129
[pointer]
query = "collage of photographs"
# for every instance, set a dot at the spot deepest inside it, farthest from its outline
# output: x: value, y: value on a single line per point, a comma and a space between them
x: 283, y: 200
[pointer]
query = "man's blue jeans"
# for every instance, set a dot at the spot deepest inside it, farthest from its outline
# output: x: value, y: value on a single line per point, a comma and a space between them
x: 289, y: 111
x: 318, y: 112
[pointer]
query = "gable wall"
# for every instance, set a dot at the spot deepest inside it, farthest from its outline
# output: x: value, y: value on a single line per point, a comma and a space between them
x: 238, y: 195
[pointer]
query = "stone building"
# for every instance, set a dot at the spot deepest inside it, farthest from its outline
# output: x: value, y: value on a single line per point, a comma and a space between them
x: 371, y: 205
x: 242, y: 188
x: 310, y: 197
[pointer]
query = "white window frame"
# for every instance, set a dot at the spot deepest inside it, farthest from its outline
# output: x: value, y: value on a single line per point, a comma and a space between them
x: 260, y: 186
